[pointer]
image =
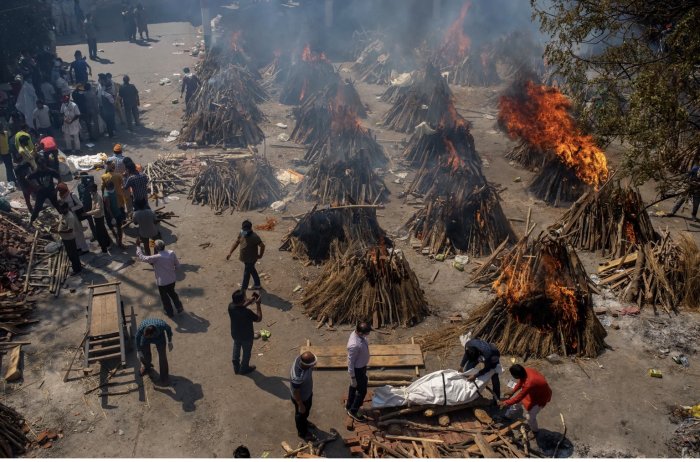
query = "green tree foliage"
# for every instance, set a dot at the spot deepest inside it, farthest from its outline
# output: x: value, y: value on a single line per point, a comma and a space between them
x: 632, y: 69
x: 24, y: 25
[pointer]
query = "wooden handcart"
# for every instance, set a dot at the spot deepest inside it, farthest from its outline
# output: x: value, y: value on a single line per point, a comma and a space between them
x: 107, y: 335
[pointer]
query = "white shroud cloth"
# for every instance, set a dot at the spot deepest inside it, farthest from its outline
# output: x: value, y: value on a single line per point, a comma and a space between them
x: 444, y: 388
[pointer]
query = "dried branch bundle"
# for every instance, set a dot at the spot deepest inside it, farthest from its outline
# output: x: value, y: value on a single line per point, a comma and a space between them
x: 306, y: 77
x: 13, y: 439
x: 476, y: 69
x: 557, y: 184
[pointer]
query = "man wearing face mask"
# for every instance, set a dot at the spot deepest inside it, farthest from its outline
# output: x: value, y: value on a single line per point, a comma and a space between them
x: 252, y: 249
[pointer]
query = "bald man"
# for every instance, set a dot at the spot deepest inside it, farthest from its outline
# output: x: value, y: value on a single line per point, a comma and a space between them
x: 302, y: 388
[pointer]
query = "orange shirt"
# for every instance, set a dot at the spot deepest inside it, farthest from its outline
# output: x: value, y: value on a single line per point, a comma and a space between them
x: 534, y: 391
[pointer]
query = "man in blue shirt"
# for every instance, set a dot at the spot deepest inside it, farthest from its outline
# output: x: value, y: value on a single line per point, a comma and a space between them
x: 80, y: 69
x: 154, y: 332
x: 475, y: 351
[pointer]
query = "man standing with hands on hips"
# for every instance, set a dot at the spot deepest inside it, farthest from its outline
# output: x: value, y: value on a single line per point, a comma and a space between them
x: 358, y: 358
x: 252, y: 249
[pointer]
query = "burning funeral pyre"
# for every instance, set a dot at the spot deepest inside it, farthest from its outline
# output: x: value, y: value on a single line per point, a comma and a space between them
x: 571, y: 162
x: 277, y: 71
x: 307, y: 76
x: 463, y: 213
x: 365, y: 284
x: 316, y: 113
x: 224, y: 110
x: 323, y: 233
x: 612, y: 219
x: 343, y: 164
x: 427, y: 99
x: 236, y: 184
x: 464, y: 65
x: 542, y: 306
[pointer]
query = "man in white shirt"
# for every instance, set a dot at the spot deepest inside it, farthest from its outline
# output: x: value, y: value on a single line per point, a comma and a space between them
x: 71, y: 125
x: 42, y: 118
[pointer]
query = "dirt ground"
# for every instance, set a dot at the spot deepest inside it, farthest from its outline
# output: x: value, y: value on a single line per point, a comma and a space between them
x: 610, y: 405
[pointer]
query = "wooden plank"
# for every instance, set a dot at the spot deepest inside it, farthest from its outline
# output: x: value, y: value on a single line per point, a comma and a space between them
x: 337, y: 362
x: 616, y: 276
x: 14, y: 371
x: 336, y: 356
x: 631, y: 258
x: 374, y: 350
x: 104, y: 318
x: 485, y: 448
x: 104, y: 358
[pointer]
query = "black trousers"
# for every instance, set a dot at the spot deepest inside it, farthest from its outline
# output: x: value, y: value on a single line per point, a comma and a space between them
x: 302, y: 420
x: 132, y: 115
x: 356, y: 395
x: 169, y: 298
x: 101, y: 234
x: 495, y: 381
x: 695, y: 196
x: 73, y: 255
x: 92, y: 47
x: 147, y: 360
x: 41, y: 196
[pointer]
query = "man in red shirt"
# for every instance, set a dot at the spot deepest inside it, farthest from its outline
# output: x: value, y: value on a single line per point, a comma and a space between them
x: 534, y: 393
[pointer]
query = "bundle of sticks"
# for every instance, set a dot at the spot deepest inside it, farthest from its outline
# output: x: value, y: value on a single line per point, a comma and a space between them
x: 542, y: 306
x: 13, y: 433
x: 557, y: 184
x: 346, y: 138
x: 428, y: 99
x: 220, y: 57
x: 476, y: 69
x: 320, y: 229
x: 343, y: 178
x: 367, y: 284
x: 656, y: 273
x: 164, y: 178
x: 314, y: 117
x: 307, y: 76
x: 527, y: 156
x: 277, y: 71
x: 612, y: 219
x: 236, y: 184
x: 224, y: 110
x: 374, y: 64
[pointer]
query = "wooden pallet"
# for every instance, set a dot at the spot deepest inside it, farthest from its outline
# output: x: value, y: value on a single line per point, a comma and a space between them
x: 107, y: 333
x: 336, y: 356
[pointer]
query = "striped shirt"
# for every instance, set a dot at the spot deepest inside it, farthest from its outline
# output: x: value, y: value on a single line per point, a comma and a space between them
x: 162, y: 329
x: 138, y: 184
x: 301, y: 379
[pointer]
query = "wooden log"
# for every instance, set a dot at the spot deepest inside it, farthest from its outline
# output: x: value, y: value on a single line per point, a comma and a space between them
x: 414, y: 438
x: 485, y: 448
x: 393, y: 383
x: 389, y: 376
x: 14, y: 371
x: 406, y: 411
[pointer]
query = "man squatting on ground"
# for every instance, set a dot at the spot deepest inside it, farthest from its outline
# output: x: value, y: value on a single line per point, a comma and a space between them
x: 154, y: 332
x: 475, y: 351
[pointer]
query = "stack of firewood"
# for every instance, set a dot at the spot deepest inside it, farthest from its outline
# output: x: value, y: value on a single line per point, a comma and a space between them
x: 242, y: 184
x: 164, y: 178
x: 307, y: 76
x: 13, y: 433
x: 476, y: 69
x: 224, y: 110
x: 428, y: 99
x: 375, y: 284
x: 557, y: 184
x: 277, y: 70
x: 374, y: 64
x: 527, y: 156
x: 339, y: 227
x: 316, y: 114
x: 612, y: 219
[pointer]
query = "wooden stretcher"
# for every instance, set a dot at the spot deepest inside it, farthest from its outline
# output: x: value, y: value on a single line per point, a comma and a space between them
x: 107, y: 335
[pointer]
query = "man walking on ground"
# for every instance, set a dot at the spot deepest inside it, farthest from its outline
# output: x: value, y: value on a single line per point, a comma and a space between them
x: 147, y: 223
x: 141, y: 23
x: 92, y: 110
x: 242, y: 330
x: 165, y: 266
x: 302, y: 387
x: 44, y: 176
x: 98, y: 215
x: 358, y: 358
x: 79, y: 69
x: 130, y: 100
x: 114, y: 214
x: 65, y: 196
x: 534, y: 393
x: 252, y: 250
x: 91, y: 35
x: 71, y: 125
x: 136, y: 184
x: 190, y: 83
x: 475, y: 351
x: 66, y: 229
x: 154, y: 332
x: 108, y: 107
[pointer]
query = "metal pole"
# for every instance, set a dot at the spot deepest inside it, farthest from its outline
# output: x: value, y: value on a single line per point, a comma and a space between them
x: 206, y: 23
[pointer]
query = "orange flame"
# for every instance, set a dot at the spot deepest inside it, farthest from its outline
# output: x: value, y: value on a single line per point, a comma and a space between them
x: 543, y: 120
x: 454, y: 161
x: 344, y: 118
x: 309, y: 56
x: 456, y: 43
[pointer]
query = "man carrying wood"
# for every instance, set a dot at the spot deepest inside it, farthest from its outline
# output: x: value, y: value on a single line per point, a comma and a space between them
x: 242, y: 331
x: 252, y: 249
x: 534, y: 393
x: 153, y: 332
x: 302, y: 387
x: 476, y: 351
x: 358, y: 358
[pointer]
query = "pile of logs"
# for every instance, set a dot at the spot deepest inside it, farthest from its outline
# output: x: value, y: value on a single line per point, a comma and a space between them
x: 557, y: 184
x: 661, y: 273
x: 224, y: 110
x: 612, y: 219
x: 428, y: 99
x: 527, y: 156
x: 277, y: 71
x: 343, y: 178
x: 374, y: 64
x: 236, y: 184
x: 13, y: 433
x: 476, y: 69
x: 441, y: 432
x: 164, y: 178
x: 367, y: 284
x: 542, y: 306
x: 307, y: 76
x: 218, y: 58
x: 320, y: 229
x: 314, y: 117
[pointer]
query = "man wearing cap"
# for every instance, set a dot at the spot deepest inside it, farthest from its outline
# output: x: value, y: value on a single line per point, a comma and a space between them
x: 71, y: 124
x: 358, y: 358
x: 242, y: 330
x: 302, y: 388
x: 252, y: 249
x: 165, y: 266
x: 49, y: 150
x: 118, y: 158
